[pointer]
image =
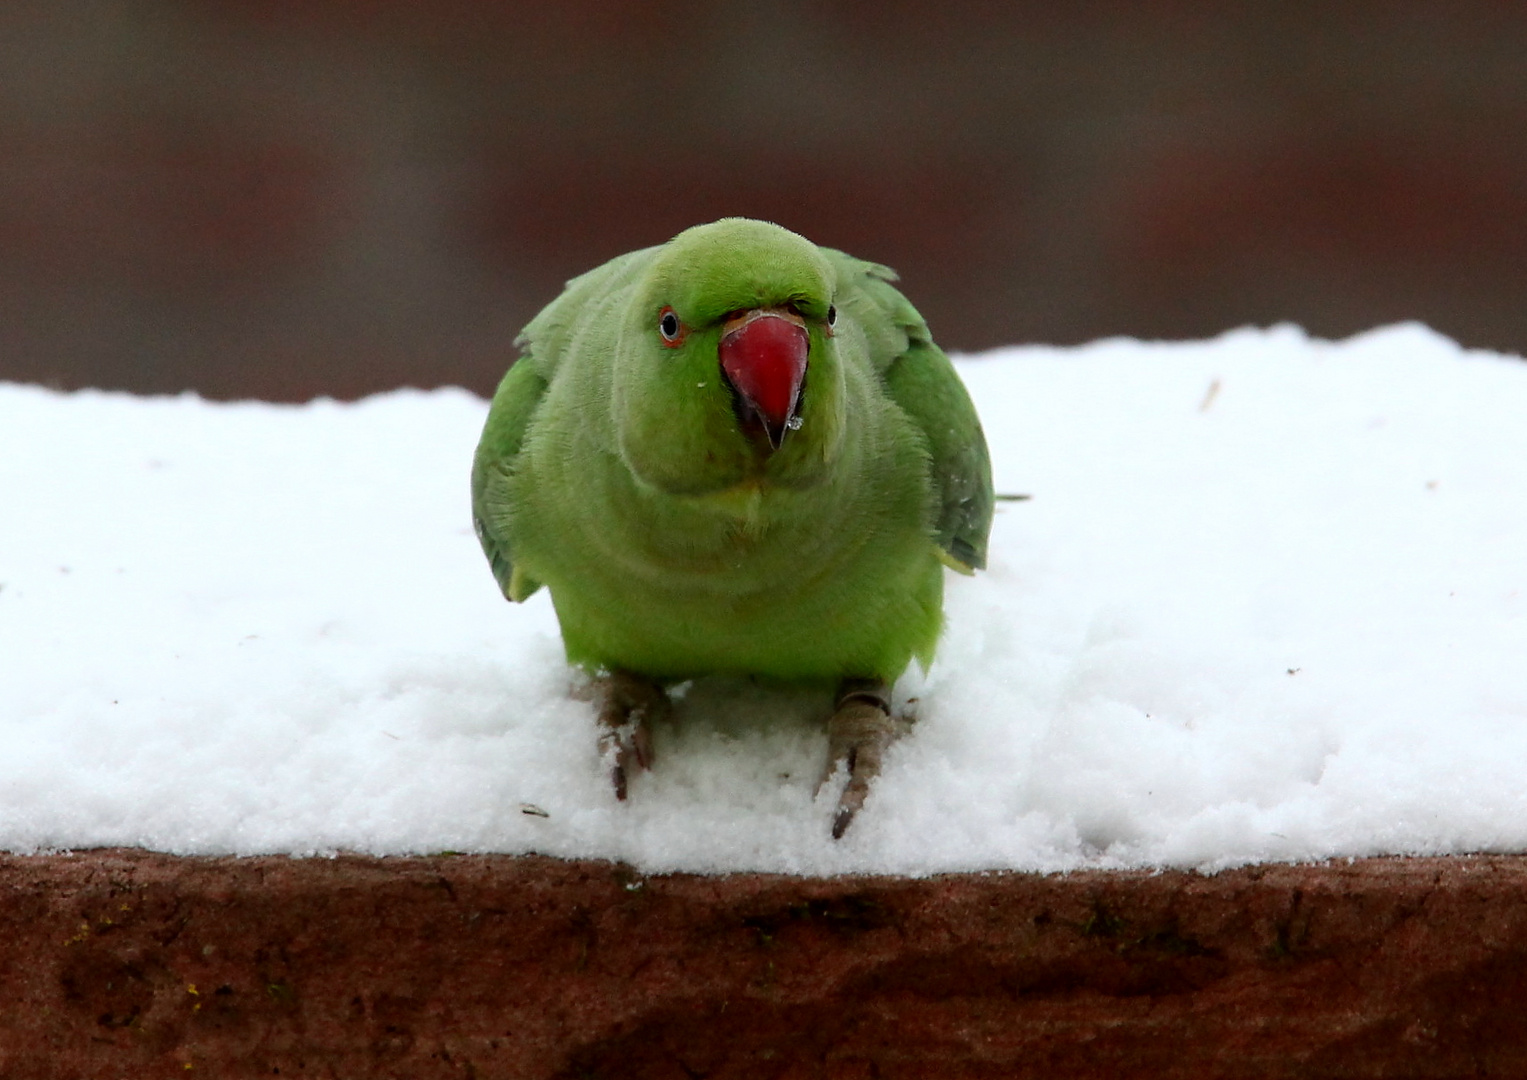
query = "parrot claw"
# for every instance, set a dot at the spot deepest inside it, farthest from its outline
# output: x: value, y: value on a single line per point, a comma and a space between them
x: 858, y: 735
x: 628, y: 708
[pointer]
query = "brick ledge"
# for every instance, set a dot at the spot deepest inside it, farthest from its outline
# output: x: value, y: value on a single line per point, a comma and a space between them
x: 122, y: 962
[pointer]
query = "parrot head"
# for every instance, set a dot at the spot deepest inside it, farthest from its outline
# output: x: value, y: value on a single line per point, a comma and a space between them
x: 727, y: 370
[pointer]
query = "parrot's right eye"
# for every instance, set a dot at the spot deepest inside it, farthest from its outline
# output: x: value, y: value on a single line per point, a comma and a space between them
x: 668, y: 326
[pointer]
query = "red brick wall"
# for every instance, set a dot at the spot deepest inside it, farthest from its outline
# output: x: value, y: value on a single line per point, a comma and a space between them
x: 289, y: 198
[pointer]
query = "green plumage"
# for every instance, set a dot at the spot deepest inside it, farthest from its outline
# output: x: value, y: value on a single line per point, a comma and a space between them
x: 614, y: 469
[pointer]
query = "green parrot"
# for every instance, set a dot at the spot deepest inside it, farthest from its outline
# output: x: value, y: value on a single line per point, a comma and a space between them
x: 736, y: 453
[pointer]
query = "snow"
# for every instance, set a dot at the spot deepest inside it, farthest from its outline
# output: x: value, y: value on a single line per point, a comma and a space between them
x: 1266, y: 603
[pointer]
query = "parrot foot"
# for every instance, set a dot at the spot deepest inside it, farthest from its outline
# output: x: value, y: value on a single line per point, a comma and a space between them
x: 858, y: 735
x: 629, y: 704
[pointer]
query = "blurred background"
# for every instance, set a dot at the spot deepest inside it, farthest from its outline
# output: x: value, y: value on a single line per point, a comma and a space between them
x: 287, y: 198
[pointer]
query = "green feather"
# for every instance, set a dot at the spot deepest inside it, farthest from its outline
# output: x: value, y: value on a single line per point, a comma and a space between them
x: 492, y: 469
x: 613, y: 468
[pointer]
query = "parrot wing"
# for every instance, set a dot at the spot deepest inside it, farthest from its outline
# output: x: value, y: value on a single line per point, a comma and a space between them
x: 921, y: 381
x: 492, y: 469
x: 542, y: 344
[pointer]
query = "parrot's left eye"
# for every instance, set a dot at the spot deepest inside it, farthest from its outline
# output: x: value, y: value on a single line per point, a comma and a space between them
x: 668, y: 326
x: 832, y: 316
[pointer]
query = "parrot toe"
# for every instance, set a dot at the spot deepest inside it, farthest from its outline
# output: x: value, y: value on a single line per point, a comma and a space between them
x: 629, y: 706
x: 858, y: 735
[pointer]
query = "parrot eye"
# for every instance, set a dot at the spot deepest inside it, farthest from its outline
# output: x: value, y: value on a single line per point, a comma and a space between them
x: 668, y: 326
x: 832, y: 316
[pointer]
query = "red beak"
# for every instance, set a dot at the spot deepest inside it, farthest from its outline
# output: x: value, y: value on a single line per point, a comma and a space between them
x: 764, y: 358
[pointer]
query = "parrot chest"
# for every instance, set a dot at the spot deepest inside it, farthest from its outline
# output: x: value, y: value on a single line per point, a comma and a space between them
x: 793, y: 585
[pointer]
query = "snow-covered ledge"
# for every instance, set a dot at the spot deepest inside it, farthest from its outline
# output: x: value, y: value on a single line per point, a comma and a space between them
x: 1265, y: 605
